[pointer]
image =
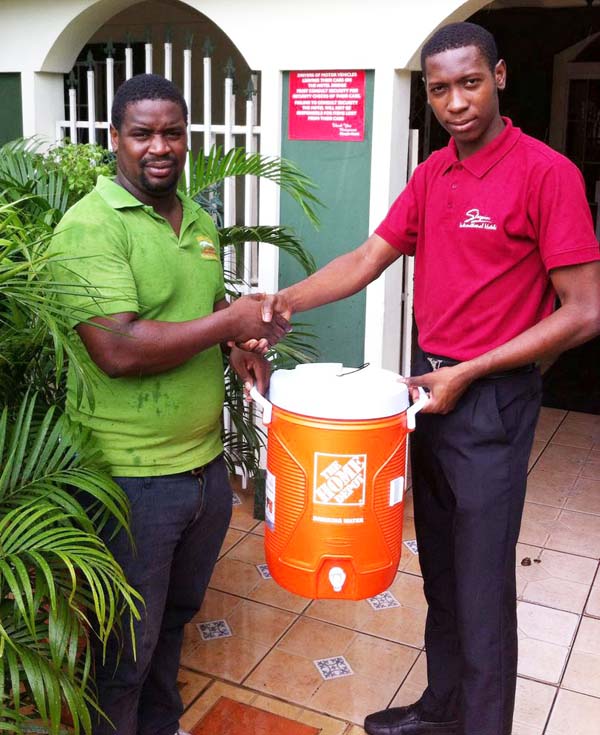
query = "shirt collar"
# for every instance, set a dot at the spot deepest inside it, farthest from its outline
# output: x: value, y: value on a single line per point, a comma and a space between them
x: 481, y: 162
x: 118, y: 197
x: 115, y: 195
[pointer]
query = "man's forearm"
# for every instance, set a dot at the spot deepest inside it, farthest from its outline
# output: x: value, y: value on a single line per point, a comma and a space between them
x: 147, y: 347
x: 332, y: 283
x: 128, y: 346
x: 346, y: 275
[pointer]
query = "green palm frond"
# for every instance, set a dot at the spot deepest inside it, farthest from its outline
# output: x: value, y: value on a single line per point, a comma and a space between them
x: 54, y: 672
x: 280, y: 237
x: 210, y: 169
x: 35, y: 329
x: 56, y: 574
x: 298, y: 346
x: 242, y: 443
x: 24, y: 173
x: 10, y: 720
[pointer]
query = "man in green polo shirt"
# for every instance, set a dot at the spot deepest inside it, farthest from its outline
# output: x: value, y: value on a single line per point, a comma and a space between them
x: 152, y: 317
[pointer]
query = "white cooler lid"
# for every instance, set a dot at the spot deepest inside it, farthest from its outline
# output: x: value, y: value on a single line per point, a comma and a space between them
x: 329, y: 390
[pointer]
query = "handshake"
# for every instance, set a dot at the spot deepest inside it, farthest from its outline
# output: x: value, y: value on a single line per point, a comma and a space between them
x: 259, y: 321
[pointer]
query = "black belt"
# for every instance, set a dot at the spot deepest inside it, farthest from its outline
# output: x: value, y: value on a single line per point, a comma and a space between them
x: 437, y: 362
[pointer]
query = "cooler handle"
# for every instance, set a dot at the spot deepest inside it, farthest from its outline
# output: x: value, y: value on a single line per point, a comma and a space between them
x: 415, y: 408
x: 266, y: 406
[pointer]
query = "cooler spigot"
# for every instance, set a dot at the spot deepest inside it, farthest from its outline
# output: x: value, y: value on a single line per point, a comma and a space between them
x: 337, y: 577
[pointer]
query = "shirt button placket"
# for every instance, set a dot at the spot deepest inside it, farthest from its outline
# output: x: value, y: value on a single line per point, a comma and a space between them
x: 453, y: 184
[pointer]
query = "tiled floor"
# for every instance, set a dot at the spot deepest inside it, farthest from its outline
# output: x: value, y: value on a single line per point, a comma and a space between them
x: 267, y: 653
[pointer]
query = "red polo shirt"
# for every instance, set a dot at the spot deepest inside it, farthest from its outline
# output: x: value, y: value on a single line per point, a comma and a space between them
x: 486, y: 231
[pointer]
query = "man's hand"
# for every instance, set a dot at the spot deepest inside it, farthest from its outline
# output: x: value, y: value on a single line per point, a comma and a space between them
x: 275, y: 308
x: 274, y: 305
x: 249, y: 326
x: 445, y: 387
x: 252, y: 369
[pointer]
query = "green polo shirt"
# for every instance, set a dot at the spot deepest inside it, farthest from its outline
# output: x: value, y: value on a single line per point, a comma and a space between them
x: 127, y: 258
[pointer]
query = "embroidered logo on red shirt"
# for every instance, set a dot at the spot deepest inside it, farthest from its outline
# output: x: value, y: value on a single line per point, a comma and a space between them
x: 476, y: 221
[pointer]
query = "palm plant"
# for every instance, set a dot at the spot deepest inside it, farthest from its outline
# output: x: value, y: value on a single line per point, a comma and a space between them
x: 207, y: 175
x: 57, y: 578
x: 59, y: 584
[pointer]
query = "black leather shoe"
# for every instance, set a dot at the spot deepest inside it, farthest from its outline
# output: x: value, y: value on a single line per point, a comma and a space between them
x: 407, y: 721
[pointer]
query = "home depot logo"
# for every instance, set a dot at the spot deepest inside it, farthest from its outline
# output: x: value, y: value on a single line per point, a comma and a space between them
x: 339, y: 479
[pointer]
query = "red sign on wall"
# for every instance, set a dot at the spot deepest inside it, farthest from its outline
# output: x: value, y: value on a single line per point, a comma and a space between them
x: 327, y: 105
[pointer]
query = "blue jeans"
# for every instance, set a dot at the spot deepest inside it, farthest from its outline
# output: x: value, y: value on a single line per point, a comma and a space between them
x: 178, y: 524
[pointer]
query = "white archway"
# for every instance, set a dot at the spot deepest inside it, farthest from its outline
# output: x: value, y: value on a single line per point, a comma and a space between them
x: 44, y: 37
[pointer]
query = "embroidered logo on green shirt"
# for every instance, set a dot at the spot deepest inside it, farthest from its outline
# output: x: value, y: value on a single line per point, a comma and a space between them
x: 207, y: 249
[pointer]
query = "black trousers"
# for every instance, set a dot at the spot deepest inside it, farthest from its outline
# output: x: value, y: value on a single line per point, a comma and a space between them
x: 469, y: 479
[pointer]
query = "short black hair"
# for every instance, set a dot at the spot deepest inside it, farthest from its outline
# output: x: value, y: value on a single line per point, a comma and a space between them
x: 459, y: 35
x: 144, y: 87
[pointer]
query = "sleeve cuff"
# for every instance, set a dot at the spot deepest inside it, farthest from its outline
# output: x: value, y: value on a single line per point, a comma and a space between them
x: 573, y: 257
x: 83, y: 313
x: 405, y: 247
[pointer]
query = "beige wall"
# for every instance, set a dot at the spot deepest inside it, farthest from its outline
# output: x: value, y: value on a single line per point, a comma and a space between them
x: 43, y: 35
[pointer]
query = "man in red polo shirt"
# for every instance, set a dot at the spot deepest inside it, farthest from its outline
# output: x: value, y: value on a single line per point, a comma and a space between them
x: 499, y: 225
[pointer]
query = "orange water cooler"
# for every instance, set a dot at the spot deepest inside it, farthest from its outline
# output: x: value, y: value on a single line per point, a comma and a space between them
x: 336, y: 474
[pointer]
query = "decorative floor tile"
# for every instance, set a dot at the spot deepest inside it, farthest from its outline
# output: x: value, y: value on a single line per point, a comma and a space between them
x: 383, y: 601
x: 333, y: 668
x: 263, y: 570
x: 411, y: 545
x: 214, y: 629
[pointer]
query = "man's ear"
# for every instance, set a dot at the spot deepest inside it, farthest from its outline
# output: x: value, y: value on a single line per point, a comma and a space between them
x: 114, y: 138
x: 500, y: 74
